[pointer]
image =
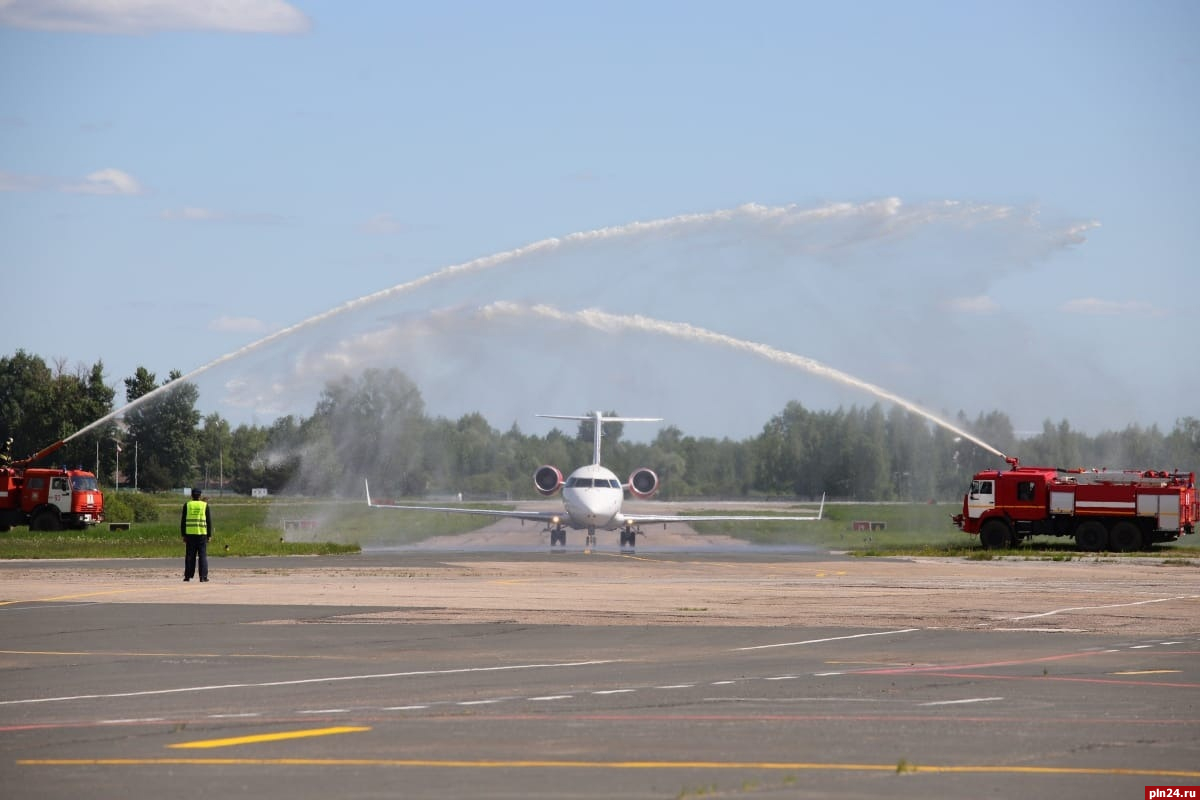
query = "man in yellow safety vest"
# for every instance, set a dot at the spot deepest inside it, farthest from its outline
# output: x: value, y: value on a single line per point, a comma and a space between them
x: 195, y: 527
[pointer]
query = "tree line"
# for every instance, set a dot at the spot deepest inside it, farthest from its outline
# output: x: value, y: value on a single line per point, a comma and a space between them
x: 375, y: 426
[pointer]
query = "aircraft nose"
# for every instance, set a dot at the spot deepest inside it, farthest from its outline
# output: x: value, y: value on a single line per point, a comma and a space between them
x: 596, y: 509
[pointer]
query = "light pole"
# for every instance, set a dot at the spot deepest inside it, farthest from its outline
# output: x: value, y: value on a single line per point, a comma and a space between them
x: 117, y: 468
x: 135, y: 454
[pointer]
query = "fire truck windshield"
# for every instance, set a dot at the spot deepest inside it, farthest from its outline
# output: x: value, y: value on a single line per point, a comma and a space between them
x: 81, y: 484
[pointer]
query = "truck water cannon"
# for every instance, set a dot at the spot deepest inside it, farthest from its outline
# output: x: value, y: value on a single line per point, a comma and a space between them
x: 1013, y: 461
x: 39, y: 455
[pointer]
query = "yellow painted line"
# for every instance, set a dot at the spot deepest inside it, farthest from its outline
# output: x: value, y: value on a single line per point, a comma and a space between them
x: 264, y: 737
x: 78, y: 596
x: 1146, y: 672
x: 607, y: 765
x: 118, y: 653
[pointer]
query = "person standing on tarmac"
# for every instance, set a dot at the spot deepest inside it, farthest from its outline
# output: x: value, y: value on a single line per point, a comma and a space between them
x: 195, y: 528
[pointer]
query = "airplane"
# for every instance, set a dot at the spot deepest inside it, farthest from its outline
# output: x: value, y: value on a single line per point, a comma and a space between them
x: 592, y: 497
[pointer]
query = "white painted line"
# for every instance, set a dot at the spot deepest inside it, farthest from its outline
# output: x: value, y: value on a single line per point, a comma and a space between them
x: 1113, y: 605
x: 782, y: 678
x: 678, y: 686
x: 830, y: 639
x: 480, y: 702
x: 1170, y: 642
x: 614, y: 691
x: 1040, y: 630
x: 826, y: 674
x: 325, y: 711
x: 554, y: 697
x: 721, y: 683
x: 405, y: 708
x: 960, y: 702
x: 234, y: 716
x: 128, y: 721
x: 1141, y: 647
x: 303, y: 681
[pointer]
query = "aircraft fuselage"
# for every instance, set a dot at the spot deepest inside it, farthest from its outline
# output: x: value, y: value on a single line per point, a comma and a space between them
x: 592, y: 497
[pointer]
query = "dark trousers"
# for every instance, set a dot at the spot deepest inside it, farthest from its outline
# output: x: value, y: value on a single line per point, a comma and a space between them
x: 197, y: 547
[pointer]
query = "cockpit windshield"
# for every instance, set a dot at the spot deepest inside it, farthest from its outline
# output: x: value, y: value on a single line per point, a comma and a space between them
x: 590, y: 483
x: 83, y: 484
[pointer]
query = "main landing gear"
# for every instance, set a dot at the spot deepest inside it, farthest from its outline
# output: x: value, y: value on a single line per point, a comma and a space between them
x: 629, y: 538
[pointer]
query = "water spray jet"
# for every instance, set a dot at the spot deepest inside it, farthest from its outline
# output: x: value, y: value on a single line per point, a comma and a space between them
x: 881, y: 218
x: 604, y: 321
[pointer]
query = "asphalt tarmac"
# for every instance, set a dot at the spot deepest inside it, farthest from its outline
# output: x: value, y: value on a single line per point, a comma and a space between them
x: 103, y: 697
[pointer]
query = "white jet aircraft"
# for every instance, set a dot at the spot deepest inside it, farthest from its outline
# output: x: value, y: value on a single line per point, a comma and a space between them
x: 592, y: 497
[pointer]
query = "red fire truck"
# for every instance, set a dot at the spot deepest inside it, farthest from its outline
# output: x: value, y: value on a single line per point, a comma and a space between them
x: 1117, y: 510
x: 48, y: 498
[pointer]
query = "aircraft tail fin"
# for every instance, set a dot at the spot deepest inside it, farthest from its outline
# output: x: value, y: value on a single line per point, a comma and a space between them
x: 598, y: 418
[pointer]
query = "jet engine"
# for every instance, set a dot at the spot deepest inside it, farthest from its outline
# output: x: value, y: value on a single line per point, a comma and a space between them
x: 547, y: 479
x: 643, y: 483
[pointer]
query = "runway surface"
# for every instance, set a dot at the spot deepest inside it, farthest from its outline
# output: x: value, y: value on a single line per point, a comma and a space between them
x: 573, y: 676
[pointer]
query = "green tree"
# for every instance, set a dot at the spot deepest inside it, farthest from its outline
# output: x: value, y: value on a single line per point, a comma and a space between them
x: 1183, y: 445
x: 247, y: 458
x: 25, y: 403
x: 372, y: 427
x: 211, y: 445
x: 165, y: 428
x: 40, y: 406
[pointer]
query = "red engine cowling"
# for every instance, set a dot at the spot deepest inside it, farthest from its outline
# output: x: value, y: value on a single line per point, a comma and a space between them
x: 643, y: 483
x: 547, y: 479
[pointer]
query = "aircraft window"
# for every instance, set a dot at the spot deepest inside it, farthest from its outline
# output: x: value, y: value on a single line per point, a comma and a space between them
x: 583, y: 483
x: 614, y: 483
x: 570, y: 484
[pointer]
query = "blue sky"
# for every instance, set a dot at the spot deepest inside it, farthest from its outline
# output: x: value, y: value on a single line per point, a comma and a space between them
x: 977, y: 206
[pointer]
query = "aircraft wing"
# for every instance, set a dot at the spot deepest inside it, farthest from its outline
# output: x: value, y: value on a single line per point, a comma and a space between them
x: 550, y: 517
x: 649, y: 519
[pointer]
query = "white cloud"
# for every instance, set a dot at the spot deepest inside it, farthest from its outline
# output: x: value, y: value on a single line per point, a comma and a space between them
x: 237, y: 325
x: 1098, y: 307
x: 979, y: 304
x: 145, y: 16
x: 198, y: 214
x: 106, y: 181
x: 384, y: 224
x: 12, y: 182
x: 193, y: 214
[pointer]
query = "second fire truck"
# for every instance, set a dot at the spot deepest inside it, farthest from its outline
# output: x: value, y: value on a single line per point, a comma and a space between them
x: 1118, y: 510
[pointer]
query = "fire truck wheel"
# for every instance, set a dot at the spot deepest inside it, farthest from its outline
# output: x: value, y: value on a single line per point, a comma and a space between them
x: 46, y: 521
x: 995, y: 535
x: 1125, y: 537
x: 1091, y: 536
